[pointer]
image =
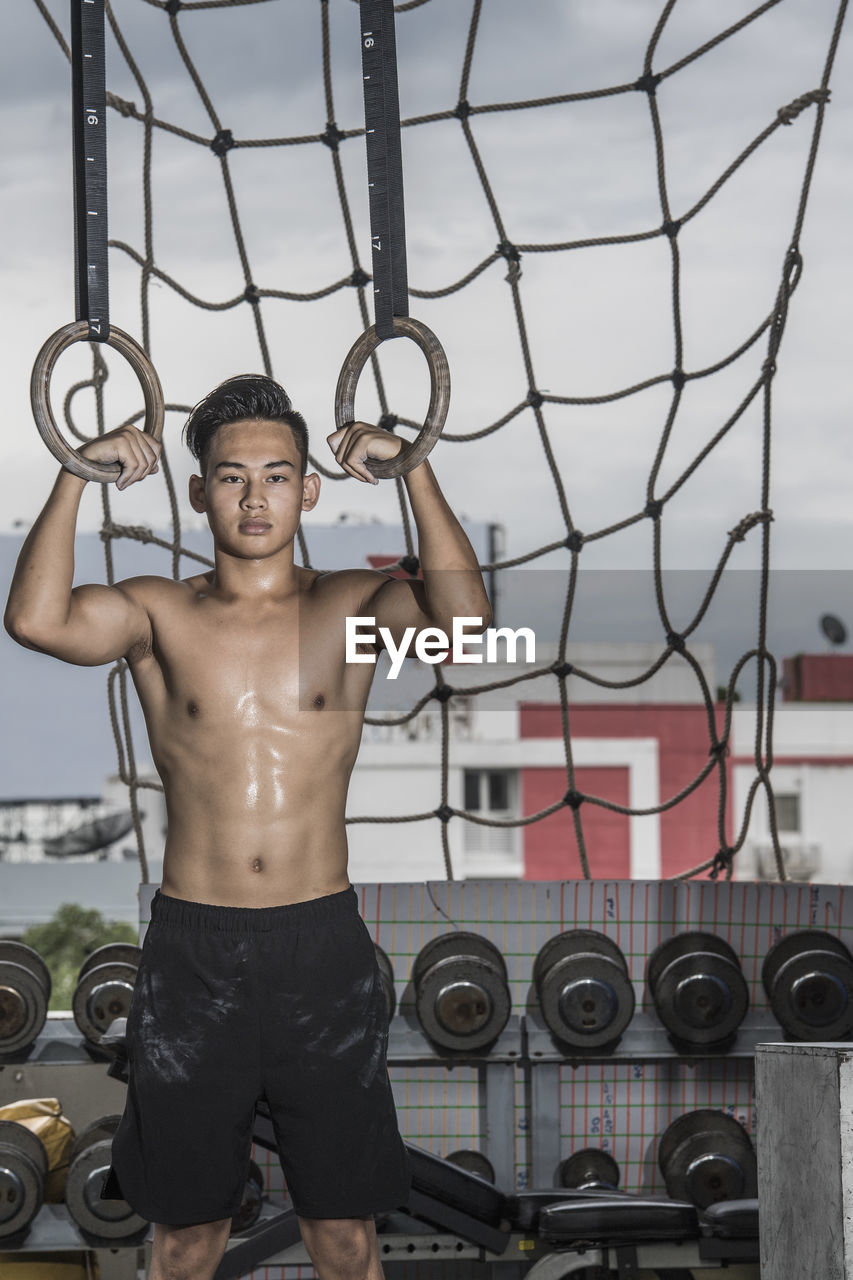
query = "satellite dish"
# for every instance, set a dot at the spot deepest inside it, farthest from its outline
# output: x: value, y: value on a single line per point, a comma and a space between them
x: 833, y: 628
x: 98, y: 834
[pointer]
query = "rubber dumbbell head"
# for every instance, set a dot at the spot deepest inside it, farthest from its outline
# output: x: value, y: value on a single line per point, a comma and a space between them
x: 103, y: 994
x: 461, y: 995
x: 101, y: 1222
x: 706, y: 1156
x: 23, y: 1169
x: 808, y: 977
x: 25, y: 988
x: 473, y: 1162
x: 584, y: 991
x: 698, y: 989
x: 386, y: 970
x: 589, y: 1169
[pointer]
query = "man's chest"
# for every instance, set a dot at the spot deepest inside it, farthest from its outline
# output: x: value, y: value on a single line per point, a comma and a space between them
x: 253, y: 667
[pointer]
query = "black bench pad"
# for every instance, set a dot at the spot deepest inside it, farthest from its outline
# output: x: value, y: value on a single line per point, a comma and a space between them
x: 731, y: 1220
x: 456, y: 1187
x: 618, y: 1219
x: 524, y: 1207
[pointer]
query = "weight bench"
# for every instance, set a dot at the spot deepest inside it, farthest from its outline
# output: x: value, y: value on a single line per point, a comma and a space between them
x: 730, y: 1231
x: 442, y: 1196
x: 634, y: 1233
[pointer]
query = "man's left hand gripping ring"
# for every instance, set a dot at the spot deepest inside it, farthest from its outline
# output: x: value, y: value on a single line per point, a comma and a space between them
x: 155, y: 409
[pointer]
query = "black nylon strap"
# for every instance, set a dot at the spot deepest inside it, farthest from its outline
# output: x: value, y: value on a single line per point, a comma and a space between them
x: 384, y: 163
x: 89, y: 130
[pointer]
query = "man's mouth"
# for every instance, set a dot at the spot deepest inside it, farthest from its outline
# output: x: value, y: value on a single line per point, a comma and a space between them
x: 254, y: 526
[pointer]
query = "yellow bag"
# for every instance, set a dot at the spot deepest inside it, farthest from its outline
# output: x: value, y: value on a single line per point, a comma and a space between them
x: 43, y: 1116
x: 49, y: 1266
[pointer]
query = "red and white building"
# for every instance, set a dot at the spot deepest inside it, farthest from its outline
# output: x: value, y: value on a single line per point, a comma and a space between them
x: 636, y: 748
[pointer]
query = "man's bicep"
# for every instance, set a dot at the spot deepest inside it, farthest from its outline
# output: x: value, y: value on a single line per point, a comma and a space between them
x: 397, y: 604
x: 104, y: 623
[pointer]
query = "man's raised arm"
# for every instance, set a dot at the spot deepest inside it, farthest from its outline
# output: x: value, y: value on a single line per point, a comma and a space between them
x: 452, y: 584
x: 85, y: 625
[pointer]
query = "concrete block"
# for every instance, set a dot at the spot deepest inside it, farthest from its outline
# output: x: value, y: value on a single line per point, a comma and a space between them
x: 804, y: 1098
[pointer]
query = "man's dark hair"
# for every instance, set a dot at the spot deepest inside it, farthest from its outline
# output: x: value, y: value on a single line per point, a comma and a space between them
x: 248, y: 396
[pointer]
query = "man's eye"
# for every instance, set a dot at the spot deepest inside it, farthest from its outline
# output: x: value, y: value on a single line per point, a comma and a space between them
x: 232, y: 479
x: 277, y: 477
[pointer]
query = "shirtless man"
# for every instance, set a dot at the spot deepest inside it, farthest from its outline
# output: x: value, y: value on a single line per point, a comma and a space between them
x: 258, y: 977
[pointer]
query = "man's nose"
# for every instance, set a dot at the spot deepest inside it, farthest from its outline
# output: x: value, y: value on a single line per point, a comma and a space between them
x: 253, y: 496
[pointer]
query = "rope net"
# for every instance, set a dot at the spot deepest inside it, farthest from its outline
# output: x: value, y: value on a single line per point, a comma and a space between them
x: 534, y: 410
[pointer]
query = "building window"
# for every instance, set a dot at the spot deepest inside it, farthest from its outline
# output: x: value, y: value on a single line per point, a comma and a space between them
x: 492, y: 793
x: 787, y: 810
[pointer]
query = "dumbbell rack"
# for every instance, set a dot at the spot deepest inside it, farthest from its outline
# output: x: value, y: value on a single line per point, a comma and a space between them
x: 646, y: 1081
x: 61, y: 1064
x: 645, y: 1041
x: 516, y: 1094
x: 526, y: 1051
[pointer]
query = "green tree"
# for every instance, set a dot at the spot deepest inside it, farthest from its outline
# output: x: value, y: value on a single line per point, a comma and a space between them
x: 65, y: 942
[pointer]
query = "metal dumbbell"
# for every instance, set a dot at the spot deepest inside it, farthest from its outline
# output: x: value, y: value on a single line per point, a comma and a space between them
x: 808, y: 977
x: 706, y: 1156
x: 698, y: 989
x: 23, y: 1169
x: 386, y: 971
x: 24, y: 995
x: 473, y: 1162
x: 589, y: 1169
x: 100, y: 1221
x: 104, y: 988
x: 252, y: 1202
x: 584, y: 990
x: 461, y: 994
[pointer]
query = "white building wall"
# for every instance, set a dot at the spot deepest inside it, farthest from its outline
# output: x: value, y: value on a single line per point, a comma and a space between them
x: 807, y: 739
x: 398, y: 767
x: 799, y: 728
x: 395, y: 778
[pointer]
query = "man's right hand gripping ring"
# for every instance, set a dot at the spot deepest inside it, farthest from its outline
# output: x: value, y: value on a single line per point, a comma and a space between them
x: 155, y: 409
x: 414, y: 452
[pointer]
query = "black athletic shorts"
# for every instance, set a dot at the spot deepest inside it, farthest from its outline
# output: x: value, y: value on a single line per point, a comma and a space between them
x: 234, y: 1004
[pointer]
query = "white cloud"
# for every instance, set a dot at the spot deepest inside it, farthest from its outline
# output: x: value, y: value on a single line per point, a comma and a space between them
x: 596, y: 318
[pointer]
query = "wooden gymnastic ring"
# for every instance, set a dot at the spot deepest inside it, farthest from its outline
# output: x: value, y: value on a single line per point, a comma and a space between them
x: 411, y: 455
x: 155, y: 409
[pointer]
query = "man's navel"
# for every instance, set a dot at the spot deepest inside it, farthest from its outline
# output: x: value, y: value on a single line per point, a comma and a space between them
x: 319, y: 702
x: 257, y: 865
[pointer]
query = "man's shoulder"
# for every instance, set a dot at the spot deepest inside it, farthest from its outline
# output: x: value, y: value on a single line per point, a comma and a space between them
x: 347, y: 584
x: 150, y: 589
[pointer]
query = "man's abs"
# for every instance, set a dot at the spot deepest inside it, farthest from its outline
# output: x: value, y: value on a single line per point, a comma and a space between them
x: 254, y: 732
x: 282, y: 871
x: 247, y: 827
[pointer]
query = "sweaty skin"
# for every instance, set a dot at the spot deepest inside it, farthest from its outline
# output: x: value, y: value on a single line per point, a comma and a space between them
x: 254, y: 721
x: 254, y: 717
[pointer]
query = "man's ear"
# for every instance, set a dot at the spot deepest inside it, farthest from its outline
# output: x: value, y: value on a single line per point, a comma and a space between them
x: 197, y: 500
x: 310, y: 491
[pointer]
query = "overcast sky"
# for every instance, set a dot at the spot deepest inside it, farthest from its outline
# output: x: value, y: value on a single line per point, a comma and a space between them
x: 598, y: 319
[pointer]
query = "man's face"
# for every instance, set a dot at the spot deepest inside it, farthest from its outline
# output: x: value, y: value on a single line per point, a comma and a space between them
x: 253, y: 492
